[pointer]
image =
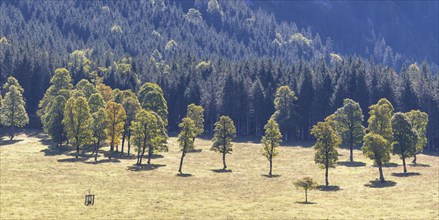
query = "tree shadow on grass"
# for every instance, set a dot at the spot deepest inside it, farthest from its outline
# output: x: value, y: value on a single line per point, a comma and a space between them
x: 113, y: 160
x: 406, y: 174
x: 184, y: 174
x: 144, y: 167
x: 419, y: 165
x: 306, y: 203
x: 351, y: 164
x: 388, y: 165
x: 378, y: 184
x: 271, y: 176
x: 328, y: 188
x: 195, y: 151
x: 9, y: 142
x: 55, y: 151
x: 73, y: 160
x: 221, y: 171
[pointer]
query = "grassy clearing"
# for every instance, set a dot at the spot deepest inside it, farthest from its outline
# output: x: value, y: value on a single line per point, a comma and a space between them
x: 38, y: 183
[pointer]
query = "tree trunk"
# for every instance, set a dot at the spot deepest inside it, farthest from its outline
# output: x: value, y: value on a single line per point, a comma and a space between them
x: 150, y: 151
x: 77, y: 148
x: 96, y: 150
x: 326, y: 175
x: 380, y: 168
x: 181, y: 161
x: 129, y: 144
x: 138, y: 157
x: 403, y: 163
x: 351, y: 148
x: 306, y: 195
x: 271, y: 166
x: 414, y: 159
x: 123, y: 144
x: 224, y: 160
x: 141, y: 156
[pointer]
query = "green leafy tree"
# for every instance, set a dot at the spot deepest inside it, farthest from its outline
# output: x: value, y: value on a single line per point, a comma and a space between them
x: 350, y: 124
x: 60, y: 85
x: 53, y: 125
x: 185, y: 138
x: 380, y: 119
x: 99, y: 126
x: 419, y: 121
x: 86, y: 87
x: 271, y: 141
x: 96, y: 102
x: 284, y: 105
x: 307, y: 184
x: 105, y: 91
x: 225, y: 131
x: 196, y: 113
x: 77, y: 122
x: 116, y: 115
x: 13, y: 112
x: 376, y: 148
x: 405, y: 138
x: 325, y: 146
x: 151, y: 98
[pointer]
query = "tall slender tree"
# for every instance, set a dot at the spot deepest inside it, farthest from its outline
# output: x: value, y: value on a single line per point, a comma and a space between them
x: 271, y: 141
x: 380, y: 120
x: 419, y: 122
x: 132, y: 107
x: 151, y: 98
x: 116, y: 115
x: 225, y: 131
x: 185, y: 138
x: 77, y: 121
x: 99, y: 126
x: 53, y: 120
x: 350, y: 124
x: 405, y: 138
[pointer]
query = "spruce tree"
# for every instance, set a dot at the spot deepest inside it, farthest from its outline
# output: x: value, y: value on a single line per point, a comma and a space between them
x: 225, y: 131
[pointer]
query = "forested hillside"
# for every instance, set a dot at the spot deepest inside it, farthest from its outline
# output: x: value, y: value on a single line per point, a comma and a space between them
x: 223, y: 55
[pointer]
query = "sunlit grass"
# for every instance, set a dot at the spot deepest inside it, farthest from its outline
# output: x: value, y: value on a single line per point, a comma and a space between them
x: 38, y: 183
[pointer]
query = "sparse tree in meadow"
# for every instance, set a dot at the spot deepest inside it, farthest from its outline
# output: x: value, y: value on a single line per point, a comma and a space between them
x: 405, y: 138
x: 225, y: 131
x: 307, y: 184
x: 96, y: 102
x: 326, y: 146
x: 284, y: 114
x: 185, y: 138
x: 419, y: 121
x: 116, y: 116
x: 196, y: 113
x: 376, y: 148
x: 151, y: 98
x: 350, y: 124
x: 271, y: 141
x: 13, y: 113
x: 77, y: 122
x: 99, y: 126
x: 52, y: 124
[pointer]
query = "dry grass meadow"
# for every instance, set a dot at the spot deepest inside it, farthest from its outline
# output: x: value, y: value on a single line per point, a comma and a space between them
x: 40, y: 183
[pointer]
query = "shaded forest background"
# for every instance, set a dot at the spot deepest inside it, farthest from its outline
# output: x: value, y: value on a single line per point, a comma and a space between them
x: 228, y: 56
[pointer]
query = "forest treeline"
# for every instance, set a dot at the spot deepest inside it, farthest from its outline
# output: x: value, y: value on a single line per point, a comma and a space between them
x: 225, y: 57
